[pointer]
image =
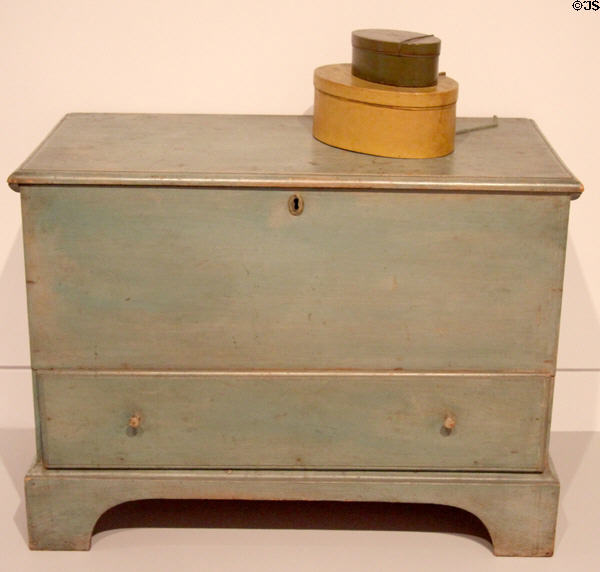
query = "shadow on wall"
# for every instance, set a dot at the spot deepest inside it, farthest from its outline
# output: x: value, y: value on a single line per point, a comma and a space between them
x: 14, y: 344
x: 580, y: 334
x: 578, y: 355
x: 17, y: 453
x: 568, y: 449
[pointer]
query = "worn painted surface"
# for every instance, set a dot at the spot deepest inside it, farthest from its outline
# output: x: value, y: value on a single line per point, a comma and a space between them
x: 276, y: 151
x: 294, y: 421
x: 221, y: 279
x: 519, y: 510
x: 181, y: 316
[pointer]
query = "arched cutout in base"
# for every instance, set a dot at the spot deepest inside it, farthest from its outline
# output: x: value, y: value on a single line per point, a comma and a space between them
x: 298, y: 515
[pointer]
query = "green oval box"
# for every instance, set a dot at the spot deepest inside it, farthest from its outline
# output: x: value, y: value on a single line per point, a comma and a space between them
x: 395, y: 57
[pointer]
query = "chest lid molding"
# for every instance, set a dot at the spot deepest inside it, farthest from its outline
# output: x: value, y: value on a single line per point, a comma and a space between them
x: 179, y: 150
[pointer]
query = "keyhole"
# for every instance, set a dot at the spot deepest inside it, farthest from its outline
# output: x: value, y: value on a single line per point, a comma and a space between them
x: 296, y: 204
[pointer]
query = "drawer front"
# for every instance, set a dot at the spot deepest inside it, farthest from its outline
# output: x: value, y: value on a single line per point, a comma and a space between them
x: 222, y: 279
x: 209, y: 420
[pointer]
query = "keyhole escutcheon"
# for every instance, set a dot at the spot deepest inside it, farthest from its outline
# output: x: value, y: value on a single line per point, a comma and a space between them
x: 296, y: 204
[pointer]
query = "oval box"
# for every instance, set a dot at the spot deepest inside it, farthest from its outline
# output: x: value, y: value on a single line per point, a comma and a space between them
x: 395, y: 57
x: 384, y: 120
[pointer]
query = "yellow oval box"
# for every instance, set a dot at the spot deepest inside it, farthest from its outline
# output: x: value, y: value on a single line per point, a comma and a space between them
x: 385, y: 120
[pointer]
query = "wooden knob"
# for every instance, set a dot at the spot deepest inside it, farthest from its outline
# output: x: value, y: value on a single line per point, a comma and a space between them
x: 134, y: 421
x: 449, y: 422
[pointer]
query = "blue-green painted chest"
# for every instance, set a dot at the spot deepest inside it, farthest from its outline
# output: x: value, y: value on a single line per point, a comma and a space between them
x: 225, y: 293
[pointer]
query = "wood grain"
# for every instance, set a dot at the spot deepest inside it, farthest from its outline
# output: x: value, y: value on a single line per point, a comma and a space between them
x: 228, y: 279
x: 322, y: 421
x: 278, y: 151
x: 519, y: 510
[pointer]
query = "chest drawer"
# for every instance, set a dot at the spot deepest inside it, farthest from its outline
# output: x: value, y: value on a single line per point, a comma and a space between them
x: 334, y: 420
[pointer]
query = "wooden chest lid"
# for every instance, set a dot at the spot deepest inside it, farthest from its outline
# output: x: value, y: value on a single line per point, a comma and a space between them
x: 279, y: 151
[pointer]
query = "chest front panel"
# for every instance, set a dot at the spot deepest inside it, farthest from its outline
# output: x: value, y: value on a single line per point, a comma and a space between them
x: 227, y: 279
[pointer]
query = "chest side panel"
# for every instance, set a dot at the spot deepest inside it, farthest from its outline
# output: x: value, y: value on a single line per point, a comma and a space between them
x: 173, y: 278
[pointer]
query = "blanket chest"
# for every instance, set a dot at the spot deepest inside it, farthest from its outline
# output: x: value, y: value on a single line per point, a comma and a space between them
x: 224, y: 307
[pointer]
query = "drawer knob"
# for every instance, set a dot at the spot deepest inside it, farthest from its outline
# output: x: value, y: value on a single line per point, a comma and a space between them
x: 449, y: 424
x: 134, y: 425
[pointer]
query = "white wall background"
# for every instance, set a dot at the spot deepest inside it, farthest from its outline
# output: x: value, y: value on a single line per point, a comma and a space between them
x: 537, y: 59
